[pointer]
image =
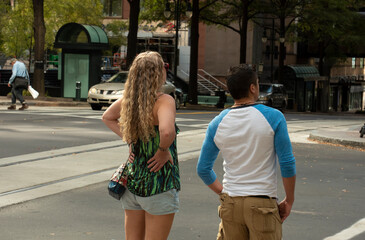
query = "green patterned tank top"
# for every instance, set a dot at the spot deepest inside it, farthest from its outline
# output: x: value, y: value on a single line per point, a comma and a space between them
x: 144, y: 183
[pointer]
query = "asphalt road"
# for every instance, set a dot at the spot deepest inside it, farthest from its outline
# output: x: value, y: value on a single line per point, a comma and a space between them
x: 329, y: 198
x: 329, y: 193
x: 47, y: 128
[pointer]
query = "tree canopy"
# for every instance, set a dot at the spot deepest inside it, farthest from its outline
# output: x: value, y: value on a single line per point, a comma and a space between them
x: 332, y: 29
x: 17, y: 34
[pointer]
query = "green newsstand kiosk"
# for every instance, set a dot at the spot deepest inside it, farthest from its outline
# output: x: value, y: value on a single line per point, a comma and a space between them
x: 80, y: 59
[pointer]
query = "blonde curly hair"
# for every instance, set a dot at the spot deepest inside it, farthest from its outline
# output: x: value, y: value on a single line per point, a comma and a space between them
x: 145, y: 78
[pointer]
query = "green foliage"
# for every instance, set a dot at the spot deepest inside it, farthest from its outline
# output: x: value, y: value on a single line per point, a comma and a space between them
x: 333, y: 24
x: 115, y: 31
x: 17, y: 34
x: 229, y: 12
x: 58, y: 13
x: 152, y: 10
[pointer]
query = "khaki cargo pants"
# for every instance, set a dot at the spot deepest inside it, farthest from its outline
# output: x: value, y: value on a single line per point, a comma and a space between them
x: 248, y: 218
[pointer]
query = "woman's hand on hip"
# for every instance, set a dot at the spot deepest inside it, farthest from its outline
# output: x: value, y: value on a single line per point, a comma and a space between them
x: 131, y: 154
x: 159, y: 160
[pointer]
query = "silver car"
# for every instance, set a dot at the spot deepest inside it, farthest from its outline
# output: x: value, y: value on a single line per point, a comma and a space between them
x: 104, y: 94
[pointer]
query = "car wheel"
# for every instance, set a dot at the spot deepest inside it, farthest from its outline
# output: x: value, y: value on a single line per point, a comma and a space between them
x: 270, y: 103
x: 283, y: 106
x: 96, y: 106
x: 177, y: 102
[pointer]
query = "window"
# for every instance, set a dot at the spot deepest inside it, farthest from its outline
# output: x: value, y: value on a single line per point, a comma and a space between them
x: 361, y: 62
x: 353, y: 63
x: 112, y: 8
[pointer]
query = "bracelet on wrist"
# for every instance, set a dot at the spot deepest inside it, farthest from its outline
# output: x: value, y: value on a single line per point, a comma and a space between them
x: 162, y: 149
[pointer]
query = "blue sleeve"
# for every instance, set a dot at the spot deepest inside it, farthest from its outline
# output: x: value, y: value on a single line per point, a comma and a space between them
x: 284, y: 150
x: 282, y: 142
x: 209, y: 152
x: 13, y: 75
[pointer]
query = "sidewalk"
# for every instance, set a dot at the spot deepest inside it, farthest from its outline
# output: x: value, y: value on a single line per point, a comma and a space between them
x: 45, y: 101
x: 68, y: 102
x: 347, y: 137
x: 54, y: 171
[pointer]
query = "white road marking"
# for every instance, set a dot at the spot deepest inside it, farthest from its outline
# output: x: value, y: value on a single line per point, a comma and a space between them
x: 304, y: 212
x: 348, y: 233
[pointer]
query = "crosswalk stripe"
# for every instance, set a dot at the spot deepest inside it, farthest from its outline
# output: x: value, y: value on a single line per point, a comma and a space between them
x: 348, y: 233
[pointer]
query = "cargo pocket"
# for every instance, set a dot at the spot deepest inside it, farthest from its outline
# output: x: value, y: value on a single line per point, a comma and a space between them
x: 264, y: 219
x: 225, y: 210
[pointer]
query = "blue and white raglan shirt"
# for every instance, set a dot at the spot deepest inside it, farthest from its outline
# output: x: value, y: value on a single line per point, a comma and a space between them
x: 251, y: 139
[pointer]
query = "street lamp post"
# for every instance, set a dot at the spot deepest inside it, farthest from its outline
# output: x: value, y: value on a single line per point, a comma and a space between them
x: 272, y: 45
x: 167, y: 14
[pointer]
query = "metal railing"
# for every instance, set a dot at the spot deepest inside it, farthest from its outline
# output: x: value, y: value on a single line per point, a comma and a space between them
x: 199, y: 83
x: 207, y: 84
x: 223, y: 85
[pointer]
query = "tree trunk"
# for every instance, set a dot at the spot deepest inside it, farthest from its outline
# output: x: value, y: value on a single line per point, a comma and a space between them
x: 39, y: 42
x: 321, y: 57
x: 325, y: 98
x: 243, y: 33
x: 194, y: 50
x: 133, y: 30
x: 281, y: 49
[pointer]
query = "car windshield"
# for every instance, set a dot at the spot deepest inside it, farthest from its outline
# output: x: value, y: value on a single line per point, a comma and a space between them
x: 118, y: 78
x: 265, y: 88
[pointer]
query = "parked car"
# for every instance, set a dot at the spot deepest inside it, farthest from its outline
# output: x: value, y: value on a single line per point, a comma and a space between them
x: 273, y: 95
x: 105, y: 93
x: 179, y: 97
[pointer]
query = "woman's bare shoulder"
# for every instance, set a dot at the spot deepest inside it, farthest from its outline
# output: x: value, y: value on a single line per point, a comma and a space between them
x: 165, y: 97
x: 165, y: 100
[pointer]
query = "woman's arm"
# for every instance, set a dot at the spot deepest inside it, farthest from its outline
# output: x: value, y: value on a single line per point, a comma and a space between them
x: 166, y: 113
x: 111, y: 117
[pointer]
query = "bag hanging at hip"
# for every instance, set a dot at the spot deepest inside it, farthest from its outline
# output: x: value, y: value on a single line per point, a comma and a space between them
x: 118, y: 181
x: 20, y: 83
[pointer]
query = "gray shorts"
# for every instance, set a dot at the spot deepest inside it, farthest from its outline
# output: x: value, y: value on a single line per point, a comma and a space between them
x: 159, y: 204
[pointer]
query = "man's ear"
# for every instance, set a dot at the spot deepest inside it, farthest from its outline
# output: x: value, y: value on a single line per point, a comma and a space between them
x: 253, y: 88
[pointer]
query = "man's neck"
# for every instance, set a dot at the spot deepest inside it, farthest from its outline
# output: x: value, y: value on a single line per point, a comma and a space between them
x: 244, y: 101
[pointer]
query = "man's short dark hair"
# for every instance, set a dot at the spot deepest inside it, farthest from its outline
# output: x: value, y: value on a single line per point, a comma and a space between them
x: 239, y: 80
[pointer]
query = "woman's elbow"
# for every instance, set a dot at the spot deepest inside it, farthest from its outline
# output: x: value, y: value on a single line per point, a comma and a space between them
x: 168, y: 134
x: 107, y: 121
x: 104, y: 118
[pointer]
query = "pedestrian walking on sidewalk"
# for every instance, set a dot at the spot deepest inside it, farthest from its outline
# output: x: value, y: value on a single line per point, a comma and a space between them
x: 145, y: 118
x: 250, y: 138
x: 19, y: 72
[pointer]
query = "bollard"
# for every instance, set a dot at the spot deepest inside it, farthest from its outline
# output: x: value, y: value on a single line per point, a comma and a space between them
x: 362, y: 131
x: 222, y: 98
x: 78, y: 90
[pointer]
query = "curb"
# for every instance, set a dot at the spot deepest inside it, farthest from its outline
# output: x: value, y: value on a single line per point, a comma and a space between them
x: 343, y: 142
x: 70, y: 103
x: 49, y: 103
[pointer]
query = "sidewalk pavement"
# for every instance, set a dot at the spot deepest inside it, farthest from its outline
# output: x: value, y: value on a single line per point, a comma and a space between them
x: 346, y: 137
x: 45, y: 101
x: 54, y: 171
x: 68, y: 102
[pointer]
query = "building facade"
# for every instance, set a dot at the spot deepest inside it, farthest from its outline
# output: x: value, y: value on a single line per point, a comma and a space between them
x: 219, y: 49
